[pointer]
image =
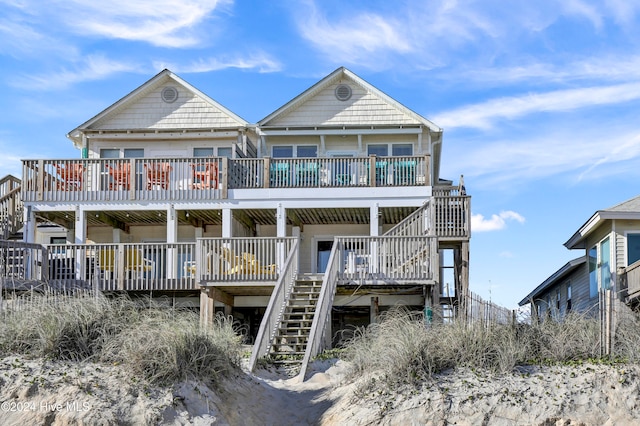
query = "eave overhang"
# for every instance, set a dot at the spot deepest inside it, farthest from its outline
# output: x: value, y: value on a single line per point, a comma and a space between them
x: 553, y: 279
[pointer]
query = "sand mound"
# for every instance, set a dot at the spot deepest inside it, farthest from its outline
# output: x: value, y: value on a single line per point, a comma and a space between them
x: 58, y: 393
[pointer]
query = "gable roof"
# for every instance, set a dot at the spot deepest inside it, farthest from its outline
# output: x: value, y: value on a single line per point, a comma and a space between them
x: 218, y: 116
x: 302, y: 111
x: 554, y: 279
x: 629, y: 209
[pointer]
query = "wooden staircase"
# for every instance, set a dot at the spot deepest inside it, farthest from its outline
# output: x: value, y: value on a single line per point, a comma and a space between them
x: 290, y: 341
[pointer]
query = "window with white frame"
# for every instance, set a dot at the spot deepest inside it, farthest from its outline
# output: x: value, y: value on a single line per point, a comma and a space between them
x: 291, y: 151
x: 203, y: 152
x: 593, y: 271
x: 396, y: 149
x: 126, y: 153
x: 222, y: 151
x: 568, y: 296
x: 633, y: 248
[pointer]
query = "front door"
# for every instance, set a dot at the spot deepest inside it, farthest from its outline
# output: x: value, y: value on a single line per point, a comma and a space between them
x: 324, y: 251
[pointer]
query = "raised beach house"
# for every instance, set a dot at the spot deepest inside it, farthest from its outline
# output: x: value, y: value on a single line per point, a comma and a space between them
x: 610, y: 261
x: 316, y: 218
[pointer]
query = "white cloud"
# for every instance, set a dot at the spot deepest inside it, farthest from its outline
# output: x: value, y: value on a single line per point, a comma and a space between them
x: 484, y: 114
x: 569, y: 149
x: 598, y: 68
x: 353, y: 38
x: 94, y: 67
x: 497, y: 221
x: 261, y: 62
x: 166, y: 23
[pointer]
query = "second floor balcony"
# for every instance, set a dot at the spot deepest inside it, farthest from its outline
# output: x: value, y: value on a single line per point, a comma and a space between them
x: 148, y: 179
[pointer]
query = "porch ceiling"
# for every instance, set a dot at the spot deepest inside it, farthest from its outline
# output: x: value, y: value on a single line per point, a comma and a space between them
x: 301, y: 216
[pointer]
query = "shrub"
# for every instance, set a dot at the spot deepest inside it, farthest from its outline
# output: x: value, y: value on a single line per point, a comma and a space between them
x: 161, y: 344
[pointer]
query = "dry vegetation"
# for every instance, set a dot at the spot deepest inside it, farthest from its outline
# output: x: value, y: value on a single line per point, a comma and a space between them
x: 401, y: 348
x: 159, y: 344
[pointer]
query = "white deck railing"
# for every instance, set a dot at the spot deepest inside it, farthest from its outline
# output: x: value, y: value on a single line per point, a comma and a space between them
x: 131, y: 267
x: 452, y: 216
x: 22, y: 264
x: 149, y: 179
x: 386, y: 259
x: 241, y: 259
x: 11, y: 206
x: 417, y: 223
x: 143, y: 179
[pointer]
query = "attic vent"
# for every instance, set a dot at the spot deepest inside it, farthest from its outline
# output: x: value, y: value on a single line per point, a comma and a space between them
x: 169, y: 94
x: 343, y: 92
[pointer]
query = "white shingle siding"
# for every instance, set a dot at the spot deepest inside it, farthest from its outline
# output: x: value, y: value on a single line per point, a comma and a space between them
x: 151, y: 112
x: 363, y: 108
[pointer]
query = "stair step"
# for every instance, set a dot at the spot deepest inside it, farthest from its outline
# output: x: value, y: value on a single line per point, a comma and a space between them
x: 295, y: 329
x: 287, y: 353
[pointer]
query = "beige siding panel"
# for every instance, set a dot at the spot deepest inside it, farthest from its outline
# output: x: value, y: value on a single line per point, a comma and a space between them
x: 151, y: 112
x: 363, y: 108
x: 153, y: 146
x: 338, y: 143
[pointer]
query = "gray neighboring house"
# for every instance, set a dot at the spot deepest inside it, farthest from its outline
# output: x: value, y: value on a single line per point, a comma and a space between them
x: 610, y: 241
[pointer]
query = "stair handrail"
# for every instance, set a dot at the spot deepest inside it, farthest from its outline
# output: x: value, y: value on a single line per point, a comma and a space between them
x: 277, y: 302
x: 23, y: 263
x: 11, y: 207
x: 322, y: 315
x: 402, y: 227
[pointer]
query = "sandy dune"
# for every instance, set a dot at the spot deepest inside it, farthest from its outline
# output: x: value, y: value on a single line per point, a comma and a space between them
x: 56, y: 393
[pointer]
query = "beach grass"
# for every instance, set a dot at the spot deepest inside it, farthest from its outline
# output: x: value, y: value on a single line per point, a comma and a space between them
x: 157, y: 343
x: 400, y: 346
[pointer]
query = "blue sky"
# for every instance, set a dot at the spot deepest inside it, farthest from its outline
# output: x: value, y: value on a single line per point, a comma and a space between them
x: 539, y: 100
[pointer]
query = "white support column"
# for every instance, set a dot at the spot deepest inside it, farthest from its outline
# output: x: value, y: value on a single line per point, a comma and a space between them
x: 262, y: 147
x: 81, y: 226
x: 199, y: 232
x: 80, y: 238
x: 116, y: 235
x: 360, y: 152
x: 29, y: 235
x: 323, y: 148
x: 172, y: 238
x: 374, y: 231
x: 227, y: 223
x: 374, y: 226
x: 281, y: 220
x: 420, y: 152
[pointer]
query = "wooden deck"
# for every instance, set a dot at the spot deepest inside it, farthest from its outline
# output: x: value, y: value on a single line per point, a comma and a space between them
x: 146, y: 179
x: 227, y: 262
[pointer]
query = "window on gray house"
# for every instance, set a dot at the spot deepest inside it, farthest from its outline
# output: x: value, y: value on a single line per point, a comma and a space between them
x: 568, y: 297
x: 593, y: 271
x: 633, y: 248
